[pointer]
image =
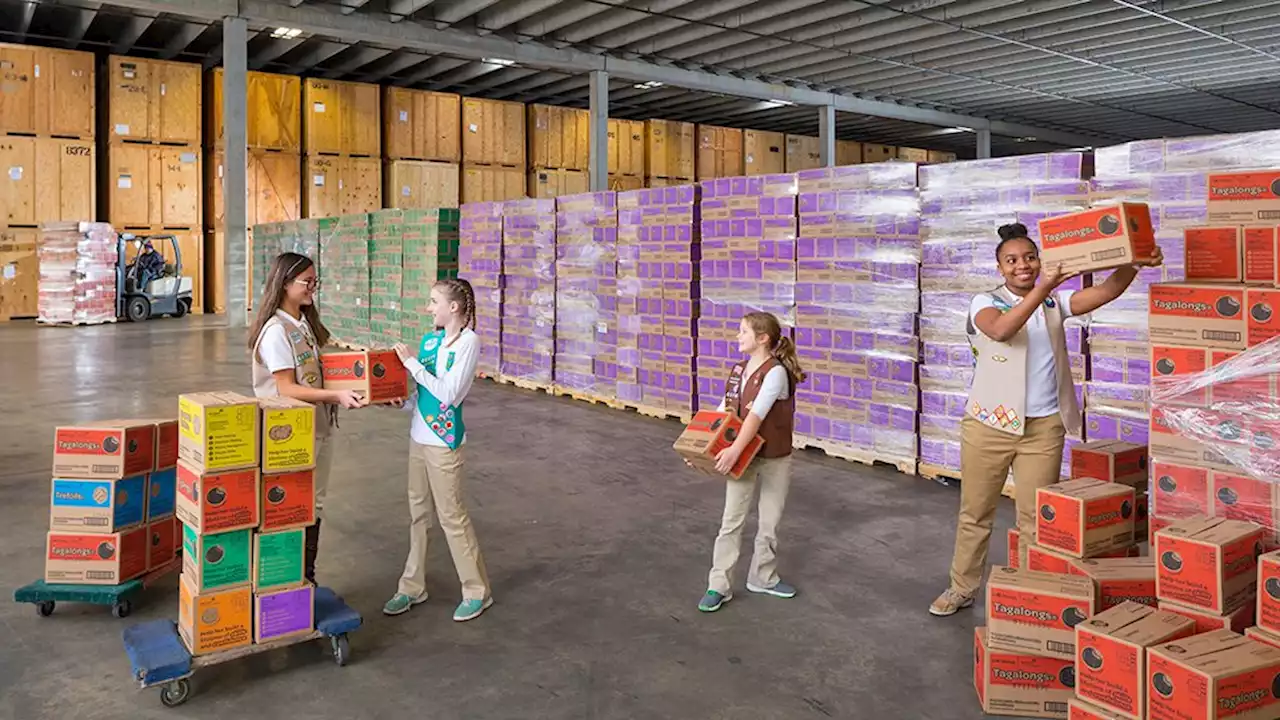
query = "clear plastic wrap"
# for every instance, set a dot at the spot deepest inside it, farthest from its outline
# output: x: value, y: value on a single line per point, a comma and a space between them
x: 529, y: 290
x: 269, y: 240
x: 748, y: 263
x: 386, y: 262
x: 480, y: 263
x: 1205, y: 152
x: 344, y: 294
x: 77, y: 273
x: 429, y: 253
x: 658, y: 232
x: 587, y: 294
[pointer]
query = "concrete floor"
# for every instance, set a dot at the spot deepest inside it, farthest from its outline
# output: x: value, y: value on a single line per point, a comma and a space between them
x: 596, y: 537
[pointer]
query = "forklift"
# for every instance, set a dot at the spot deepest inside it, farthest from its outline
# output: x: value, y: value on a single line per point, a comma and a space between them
x: 144, y: 288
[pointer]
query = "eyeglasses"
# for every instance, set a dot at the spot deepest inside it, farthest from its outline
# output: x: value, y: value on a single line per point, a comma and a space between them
x: 311, y: 284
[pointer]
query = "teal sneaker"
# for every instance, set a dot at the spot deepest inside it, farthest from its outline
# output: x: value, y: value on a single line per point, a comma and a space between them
x: 400, y: 603
x: 712, y: 601
x: 471, y: 609
x: 781, y: 590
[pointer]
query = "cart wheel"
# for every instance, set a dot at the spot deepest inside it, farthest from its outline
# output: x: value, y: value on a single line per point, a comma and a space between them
x: 175, y: 693
x: 122, y: 609
x: 45, y: 608
x: 341, y: 650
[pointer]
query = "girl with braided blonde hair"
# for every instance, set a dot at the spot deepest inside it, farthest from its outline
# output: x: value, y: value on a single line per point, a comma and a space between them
x: 443, y: 369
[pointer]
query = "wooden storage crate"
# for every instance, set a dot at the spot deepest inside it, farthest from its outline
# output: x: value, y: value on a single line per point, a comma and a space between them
x: 421, y: 125
x: 493, y: 133
x: 47, y: 180
x: 341, y: 186
x: 626, y: 148
x: 44, y: 91
x: 19, y: 273
x: 618, y: 183
x: 419, y: 184
x: 940, y: 156
x: 154, y: 186
x: 341, y: 118
x: 274, y: 111
x: 550, y: 183
x: 559, y: 137
x: 803, y: 153
x: 848, y: 152
x: 874, y: 153
x: 153, y: 101
x: 191, y: 245
x: 719, y: 152
x: 490, y: 183
x: 915, y: 155
x: 273, y: 182
x: 669, y: 149
x: 764, y: 153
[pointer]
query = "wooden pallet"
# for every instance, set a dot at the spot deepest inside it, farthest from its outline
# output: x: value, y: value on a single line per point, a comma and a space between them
x: 525, y: 384
x: 585, y: 397
x: 75, y: 323
x: 851, y: 454
x: 659, y: 413
x: 933, y: 472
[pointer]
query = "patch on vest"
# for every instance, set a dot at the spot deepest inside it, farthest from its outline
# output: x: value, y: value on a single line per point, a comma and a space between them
x: 430, y: 344
x: 1001, y: 417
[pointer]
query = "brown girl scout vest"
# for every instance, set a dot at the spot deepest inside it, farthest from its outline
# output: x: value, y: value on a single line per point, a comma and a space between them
x: 776, y: 427
x: 307, y: 370
x: 998, y: 395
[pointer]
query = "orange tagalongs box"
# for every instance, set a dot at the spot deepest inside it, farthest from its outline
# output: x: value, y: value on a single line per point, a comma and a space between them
x: 1127, y: 579
x: 1208, y: 563
x: 1085, y: 517
x: 1097, y: 239
x: 218, y: 502
x: 89, y: 559
x: 104, y: 451
x: 1111, y: 655
x: 707, y: 434
x: 1036, y: 613
x: 1214, y: 676
x: 1200, y: 314
x: 1245, y: 198
x: 377, y: 375
x: 1010, y: 683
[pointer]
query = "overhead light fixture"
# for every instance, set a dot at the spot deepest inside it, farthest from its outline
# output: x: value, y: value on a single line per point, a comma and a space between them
x: 777, y: 103
x: 500, y: 61
x: 285, y: 33
x: 1025, y: 139
x: 647, y: 85
x: 961, y: 128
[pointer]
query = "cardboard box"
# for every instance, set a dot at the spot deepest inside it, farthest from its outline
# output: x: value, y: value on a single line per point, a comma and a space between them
x: 212, y: 502
x: 1172, y: 361
x: 90, y: 559
x: 707, y: 434
x: 166, y: 443
x: 1036, y: 613
x: 1128, y: 579
x: 1167, y: 444
x: 218, y: 430
x: 1268, y: 606
x: 1242, y: 497
x: 163, y: 540
x: 162, y: 493
x: 219, y: 561
x: 1260, y: 255
x: 288, y: 500
x: 104, y: 451
x: 1020, y: 685
x: 210, y: 622
x: 1180, y: 491
x: 1111, y: 655
x: 376, y: 374
x: 283, y: 613
x: 98, y: 506
x: 1197, y: 314
x: 1085, y: 517
x: 1043, y: 559
x: 1257, y: 634
x: 1264, y: 314
x: 1246, y: 389
x: 1208, y: 563
x: 1206, y: 621
x: 1098, y: 238
x: 1110, y: 461
x: 278, y: 559
x: 1214, y: 253
x: 1245, y: 198
x: 1014, y: 540
x: 288, y: 434
x: 1081, y: 710
x: 1214, y: 675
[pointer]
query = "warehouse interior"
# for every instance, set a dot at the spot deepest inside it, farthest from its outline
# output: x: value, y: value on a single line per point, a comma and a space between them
x: 233, y: 130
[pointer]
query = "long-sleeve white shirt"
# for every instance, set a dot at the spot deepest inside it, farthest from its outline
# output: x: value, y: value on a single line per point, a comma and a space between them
x: 448, y: 386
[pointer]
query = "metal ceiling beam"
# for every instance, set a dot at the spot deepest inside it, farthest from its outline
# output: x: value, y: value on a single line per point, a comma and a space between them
x: 84, y: 18
x: 1196, y: 28
x: 510, y: 12
x: 559, y: 17
x: 129, y: 34
x: 660, y: 27
x: 350, y: 6
x: 355, y: 28
x: 450, y: 12
x: 28, y: 14
x: 354, y: 59
x: 273, y: 49
x: 184, y: 36
x: 621, y: 17
x: 319, y: 51
x: 461, y: 75
x: 432, y: 68
x: 402, y: 61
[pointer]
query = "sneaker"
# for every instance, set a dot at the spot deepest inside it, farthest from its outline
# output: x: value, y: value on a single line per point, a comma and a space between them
x: 779, y: 589
x: 712, y: 601
x: 949, y: 603
x: 400, y: 603
x: 471, y: 609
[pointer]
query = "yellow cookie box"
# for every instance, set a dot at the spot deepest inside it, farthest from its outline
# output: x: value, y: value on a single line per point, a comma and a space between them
x: 288, y: 435
x: 218, y: 430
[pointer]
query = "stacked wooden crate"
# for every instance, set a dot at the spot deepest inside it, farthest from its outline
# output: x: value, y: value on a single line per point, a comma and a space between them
x: 421, y: 148
x: 848, y: 152
x: 342, y: 146
x: 493, y: 150
x: 764, y: 153
x: 559, y: 151
x: 48, y: 158
x: 273, y: 169
x: 719, y: 152
x: 626, y: 154
x: 803, y: 153
x: 669, y: 153
x: 153, y: 175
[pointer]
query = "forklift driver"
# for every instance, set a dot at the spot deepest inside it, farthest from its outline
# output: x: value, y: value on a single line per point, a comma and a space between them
x: 150, y: 265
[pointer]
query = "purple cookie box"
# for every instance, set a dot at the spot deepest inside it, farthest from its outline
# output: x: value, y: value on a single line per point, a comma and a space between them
x: 1113, y: 425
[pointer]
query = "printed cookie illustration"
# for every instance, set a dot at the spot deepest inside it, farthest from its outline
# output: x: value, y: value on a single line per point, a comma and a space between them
x: 1073, y: 616
x: 111, y: 445
x: 1108, y: 224
x: 1162, y: 684
x: 1228, y: 496
x: 1228, y: 306
x: 214, y: 555
x: 379, y: 370
x: 358, y: 369
x: 1165, y: 366
x: 216, y: 496
x: 209, y: 616
x: 1166, y: 483
x: 1171, y: 561
x: 1126, y: 509
x: 155, y: 539
x: 1260, y: 312
x: 1229, y: 430
x: 1092, y: 658
x: 1067, y: 676
x: 275, y: 495
x: 1047, y: 513
x: 1272, y: 586
x: 106, y: 551
x: 100, y: 496
x: 280, y: 433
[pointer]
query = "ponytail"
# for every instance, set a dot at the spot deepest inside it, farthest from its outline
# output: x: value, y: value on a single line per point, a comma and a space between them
x: 780, y: 346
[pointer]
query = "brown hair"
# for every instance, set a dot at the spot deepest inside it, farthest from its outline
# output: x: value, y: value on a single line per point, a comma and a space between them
x: 287, y: 267
x: 780, y: 346
x: 460, y: 291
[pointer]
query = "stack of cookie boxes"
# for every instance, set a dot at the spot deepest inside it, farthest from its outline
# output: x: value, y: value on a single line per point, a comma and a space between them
x: 246, y: 492
x: 111, y: 507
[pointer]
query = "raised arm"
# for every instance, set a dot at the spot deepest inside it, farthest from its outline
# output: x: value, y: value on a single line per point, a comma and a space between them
x: 1089, y: 299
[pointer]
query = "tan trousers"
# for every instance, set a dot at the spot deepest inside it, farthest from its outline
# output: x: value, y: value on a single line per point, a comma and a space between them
x: 773, y: 476
x: 435, y: 491
x: 986, y: 455
x: 324, y: 463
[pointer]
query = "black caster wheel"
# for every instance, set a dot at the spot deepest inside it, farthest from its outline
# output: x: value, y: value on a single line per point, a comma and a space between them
x: 45, y: 608
x: 341, y: 650
x: 122, y: 609
x: 175, y: 693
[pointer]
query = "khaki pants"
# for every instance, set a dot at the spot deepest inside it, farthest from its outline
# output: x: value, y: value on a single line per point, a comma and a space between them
x: 773, y: 476
x: 986, y: 455
x: 435, y: 489
x: 324, y: 463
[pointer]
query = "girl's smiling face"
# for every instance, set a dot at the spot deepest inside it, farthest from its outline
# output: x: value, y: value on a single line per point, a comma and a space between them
x: 748, y: 340
x: 443, y: 309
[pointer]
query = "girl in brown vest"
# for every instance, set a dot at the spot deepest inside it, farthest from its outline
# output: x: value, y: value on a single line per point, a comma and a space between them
x: 285, y: 341
x: 760, y: 391
x: 1022, y: 402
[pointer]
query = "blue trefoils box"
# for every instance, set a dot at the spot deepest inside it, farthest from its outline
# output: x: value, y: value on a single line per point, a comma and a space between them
x: 162, y: 493
x: 98, y: 506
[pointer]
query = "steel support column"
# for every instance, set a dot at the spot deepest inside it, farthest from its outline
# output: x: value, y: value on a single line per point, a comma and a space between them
x: 827, y: 134
x: 598, y: 156
x: 983, y: 139
x: 235, y: 50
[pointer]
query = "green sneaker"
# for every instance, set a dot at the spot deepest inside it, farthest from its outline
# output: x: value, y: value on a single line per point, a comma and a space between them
x: 471, y: 609
x: 400, y: 603
x: 712, y: 601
